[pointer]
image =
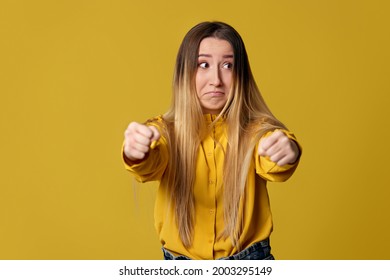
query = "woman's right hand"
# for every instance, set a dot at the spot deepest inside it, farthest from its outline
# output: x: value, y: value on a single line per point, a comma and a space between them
x: 138, y: 138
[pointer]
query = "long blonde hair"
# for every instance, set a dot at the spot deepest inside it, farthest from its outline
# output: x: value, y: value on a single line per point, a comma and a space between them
x: 247, y: 118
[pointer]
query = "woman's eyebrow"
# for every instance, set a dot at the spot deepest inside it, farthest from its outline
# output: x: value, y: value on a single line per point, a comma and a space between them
x: 209, y: 55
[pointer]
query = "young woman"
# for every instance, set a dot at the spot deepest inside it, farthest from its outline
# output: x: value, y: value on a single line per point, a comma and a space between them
x: 212, y: 152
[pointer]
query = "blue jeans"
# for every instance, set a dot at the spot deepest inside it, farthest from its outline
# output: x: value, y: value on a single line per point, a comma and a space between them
x: 257, y: 251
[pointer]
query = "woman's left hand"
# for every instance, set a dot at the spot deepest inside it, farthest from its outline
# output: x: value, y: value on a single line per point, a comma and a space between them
x: 279, y: 148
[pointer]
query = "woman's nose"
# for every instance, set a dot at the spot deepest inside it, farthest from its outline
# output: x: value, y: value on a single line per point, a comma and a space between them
x: 216, y: 78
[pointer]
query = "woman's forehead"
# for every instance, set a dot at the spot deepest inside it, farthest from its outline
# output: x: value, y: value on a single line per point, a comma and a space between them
x: 211, y: 45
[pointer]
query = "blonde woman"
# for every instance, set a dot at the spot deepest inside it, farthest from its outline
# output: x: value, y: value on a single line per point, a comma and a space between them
x: 213, y: 153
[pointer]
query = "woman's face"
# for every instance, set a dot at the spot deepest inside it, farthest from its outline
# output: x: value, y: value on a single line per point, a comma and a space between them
x: 214, y: 74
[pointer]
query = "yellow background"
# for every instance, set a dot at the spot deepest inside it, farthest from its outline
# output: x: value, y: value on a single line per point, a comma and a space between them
x: 73, y: 74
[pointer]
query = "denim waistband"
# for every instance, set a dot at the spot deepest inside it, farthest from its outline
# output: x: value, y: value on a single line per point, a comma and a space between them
x: 257, y: 251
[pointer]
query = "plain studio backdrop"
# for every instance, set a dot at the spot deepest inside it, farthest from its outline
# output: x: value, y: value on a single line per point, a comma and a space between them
x: 73, y: 74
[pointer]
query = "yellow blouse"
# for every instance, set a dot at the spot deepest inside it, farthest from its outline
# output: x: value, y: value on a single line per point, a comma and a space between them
x: 208, y: 195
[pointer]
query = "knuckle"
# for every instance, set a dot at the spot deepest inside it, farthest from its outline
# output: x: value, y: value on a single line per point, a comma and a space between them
x: 278, y: 132
x: 144, y: 149
x: 284, y: 139
x: 132, y: 126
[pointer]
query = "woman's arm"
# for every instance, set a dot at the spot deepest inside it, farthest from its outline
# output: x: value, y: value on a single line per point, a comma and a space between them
x: 277, y: 155
x: 141, y: 156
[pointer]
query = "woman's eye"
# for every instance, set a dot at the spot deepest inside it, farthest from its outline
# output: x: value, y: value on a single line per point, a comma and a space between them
x: 227, y: 65
x: 203, y: 65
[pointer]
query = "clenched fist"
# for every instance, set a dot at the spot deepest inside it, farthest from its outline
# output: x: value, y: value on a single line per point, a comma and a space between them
x: 279, y: 148
x: 138, y: 139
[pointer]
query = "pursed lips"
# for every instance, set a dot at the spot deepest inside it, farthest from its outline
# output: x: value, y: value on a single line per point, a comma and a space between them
x: 215, y: 93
